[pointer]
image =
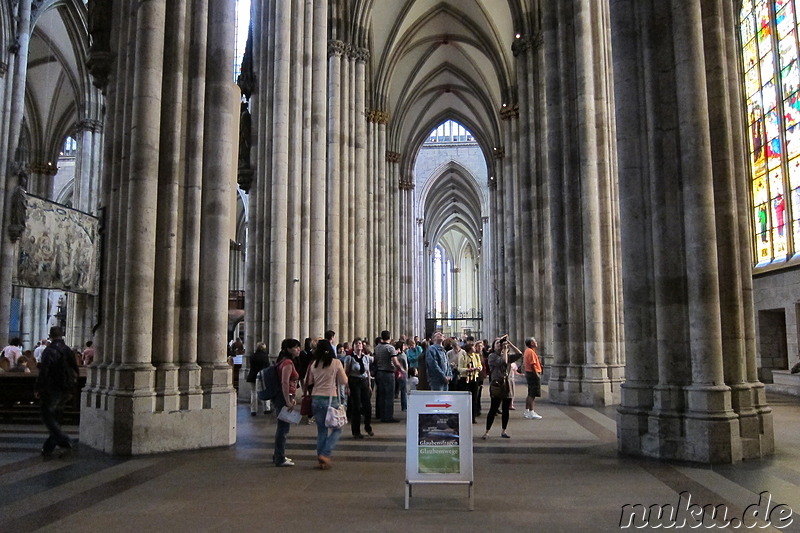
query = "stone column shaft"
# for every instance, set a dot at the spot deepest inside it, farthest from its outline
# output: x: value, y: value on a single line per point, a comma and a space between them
x: 359, y: 203
x: 319, y: 110
x: 9, y: 180
x: 698, y: 198
x: 344, y: 327
x: 333, y: 207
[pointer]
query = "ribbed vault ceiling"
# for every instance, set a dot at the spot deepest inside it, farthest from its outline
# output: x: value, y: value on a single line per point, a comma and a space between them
x: 435, y: 60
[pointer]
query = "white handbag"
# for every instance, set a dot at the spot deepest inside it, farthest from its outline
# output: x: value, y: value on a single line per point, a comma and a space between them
x: 336, y: 416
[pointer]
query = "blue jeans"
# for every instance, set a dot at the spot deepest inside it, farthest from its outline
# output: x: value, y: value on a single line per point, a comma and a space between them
x: 281, y: 431
x: 51, y: 406
x: 438, y: 386
x: 326, y: 437
x: 384, y: 381
x: 402, y: 385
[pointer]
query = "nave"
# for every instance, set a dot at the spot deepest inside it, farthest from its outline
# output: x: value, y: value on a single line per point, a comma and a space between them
x: 561, y: 473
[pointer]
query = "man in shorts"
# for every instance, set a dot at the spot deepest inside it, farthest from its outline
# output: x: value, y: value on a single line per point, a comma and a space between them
x: 533, y: 375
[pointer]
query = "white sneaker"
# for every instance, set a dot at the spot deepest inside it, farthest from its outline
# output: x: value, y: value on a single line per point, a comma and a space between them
x: 526, y: 414
x: 535, y: 415
x: 286, y: 462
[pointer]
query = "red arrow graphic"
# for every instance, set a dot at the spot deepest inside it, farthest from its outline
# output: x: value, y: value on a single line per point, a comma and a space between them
x: 444, y: 405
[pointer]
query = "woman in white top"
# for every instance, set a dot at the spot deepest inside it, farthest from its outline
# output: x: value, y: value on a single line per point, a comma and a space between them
x: 325, y: 374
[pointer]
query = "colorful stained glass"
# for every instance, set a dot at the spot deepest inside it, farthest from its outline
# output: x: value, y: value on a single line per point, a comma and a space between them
x: 789, y: 78
x: 750, y: 54
x: 784, y: 20
x: 773, y: 119
x: 786, y: 49
x: 751, y: 82
x: 792, y: 141
x: 794, y: 176
x: 769, y: 96
x: 767, y: 67
x: 760, y: 195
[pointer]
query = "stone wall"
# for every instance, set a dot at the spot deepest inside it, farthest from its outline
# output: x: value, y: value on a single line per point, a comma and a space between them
x: 775, y: 296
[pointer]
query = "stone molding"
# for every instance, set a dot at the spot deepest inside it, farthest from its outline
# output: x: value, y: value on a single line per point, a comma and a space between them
x: 3, y: 68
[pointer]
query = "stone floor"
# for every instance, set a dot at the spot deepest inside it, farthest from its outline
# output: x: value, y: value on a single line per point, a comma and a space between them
x: 561, y: 473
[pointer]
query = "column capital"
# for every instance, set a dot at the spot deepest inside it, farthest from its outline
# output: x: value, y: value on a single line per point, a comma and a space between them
x: 392, y: 157
x: 337, y: 48
x: 406, y: 184
x: 523, y: 43
x: 360, y: 55
x: 377, y: 116
x: 491, y: 183
x: 498, y: 152
x: 88, y: 124
x: 3, y: 68
x: 509, y: 111
x: 43, y: 169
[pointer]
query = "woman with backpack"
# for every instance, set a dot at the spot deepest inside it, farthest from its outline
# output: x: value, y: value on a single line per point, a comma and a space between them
x: 326, y: 374
x: 289, y: 379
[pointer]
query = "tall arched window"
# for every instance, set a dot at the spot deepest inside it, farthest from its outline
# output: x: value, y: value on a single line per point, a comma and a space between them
x: 769, y: 30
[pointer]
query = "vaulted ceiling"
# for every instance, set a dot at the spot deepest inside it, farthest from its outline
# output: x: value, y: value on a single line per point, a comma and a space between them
x: 437, y: 60
x: 56, y: 77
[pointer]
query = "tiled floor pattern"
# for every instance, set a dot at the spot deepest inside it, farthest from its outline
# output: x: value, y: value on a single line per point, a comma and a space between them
x: 561, y: 473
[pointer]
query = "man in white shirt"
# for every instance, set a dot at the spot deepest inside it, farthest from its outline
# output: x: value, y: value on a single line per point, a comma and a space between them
x: 37, y: 353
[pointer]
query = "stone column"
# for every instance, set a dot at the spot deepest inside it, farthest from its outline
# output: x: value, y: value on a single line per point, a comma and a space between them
x: 319, y: 185
x: 8, y: 174
x: 586, y: 270
x: 336, y: 49
x: 682, y: 197
x: 346, y: 243
x: 126, y: 409
x: 358, y: 202
x: 295, y: 172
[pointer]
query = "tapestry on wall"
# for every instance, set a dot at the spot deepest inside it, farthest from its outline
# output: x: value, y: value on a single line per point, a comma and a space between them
x: 59, y: 248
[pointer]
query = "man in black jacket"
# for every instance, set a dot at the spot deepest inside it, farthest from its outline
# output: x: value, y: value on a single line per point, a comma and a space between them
x: 55, y: 385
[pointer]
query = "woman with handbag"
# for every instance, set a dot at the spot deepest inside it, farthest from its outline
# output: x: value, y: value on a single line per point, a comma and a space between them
x: 326, y: 374
x: 499, y: 362
x: 289, y: 380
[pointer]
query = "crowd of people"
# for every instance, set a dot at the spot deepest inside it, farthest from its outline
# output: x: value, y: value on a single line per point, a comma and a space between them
x: 351, y: 373
x: 15, y: 358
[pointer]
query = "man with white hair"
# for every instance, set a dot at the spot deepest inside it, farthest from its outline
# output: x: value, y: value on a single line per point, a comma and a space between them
x: 533, y: 373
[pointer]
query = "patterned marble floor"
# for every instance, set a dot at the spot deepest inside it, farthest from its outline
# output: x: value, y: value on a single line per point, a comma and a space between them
x: 561, y: 473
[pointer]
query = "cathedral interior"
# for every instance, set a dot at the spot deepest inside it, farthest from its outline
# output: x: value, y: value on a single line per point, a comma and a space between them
x: 614, y: 177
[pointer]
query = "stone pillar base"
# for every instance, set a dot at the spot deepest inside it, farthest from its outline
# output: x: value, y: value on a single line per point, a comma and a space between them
x: 128, y: 421
x: 582, y: 386
x: 710, y: 433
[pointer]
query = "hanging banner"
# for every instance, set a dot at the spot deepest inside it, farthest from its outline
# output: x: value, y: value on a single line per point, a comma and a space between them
x: 59, y: 248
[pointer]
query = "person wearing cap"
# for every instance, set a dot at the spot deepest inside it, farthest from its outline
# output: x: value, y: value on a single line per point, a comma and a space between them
x: 54, y: 388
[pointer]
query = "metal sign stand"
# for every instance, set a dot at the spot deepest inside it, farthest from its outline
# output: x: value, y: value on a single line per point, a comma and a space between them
x: 439, y: 441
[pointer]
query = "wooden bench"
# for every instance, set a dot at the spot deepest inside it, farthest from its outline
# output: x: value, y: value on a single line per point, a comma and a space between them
x: 18, y: 402
x: 785, y: 382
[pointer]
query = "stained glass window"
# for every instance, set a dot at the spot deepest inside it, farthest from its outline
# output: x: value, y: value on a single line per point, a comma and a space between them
x: 769, y: 30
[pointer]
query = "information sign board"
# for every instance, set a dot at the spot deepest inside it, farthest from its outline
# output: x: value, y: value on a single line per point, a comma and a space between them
x: 439, y: 439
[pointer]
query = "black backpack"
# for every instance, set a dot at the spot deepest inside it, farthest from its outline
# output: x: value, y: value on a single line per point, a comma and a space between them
x: 270, y: 386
